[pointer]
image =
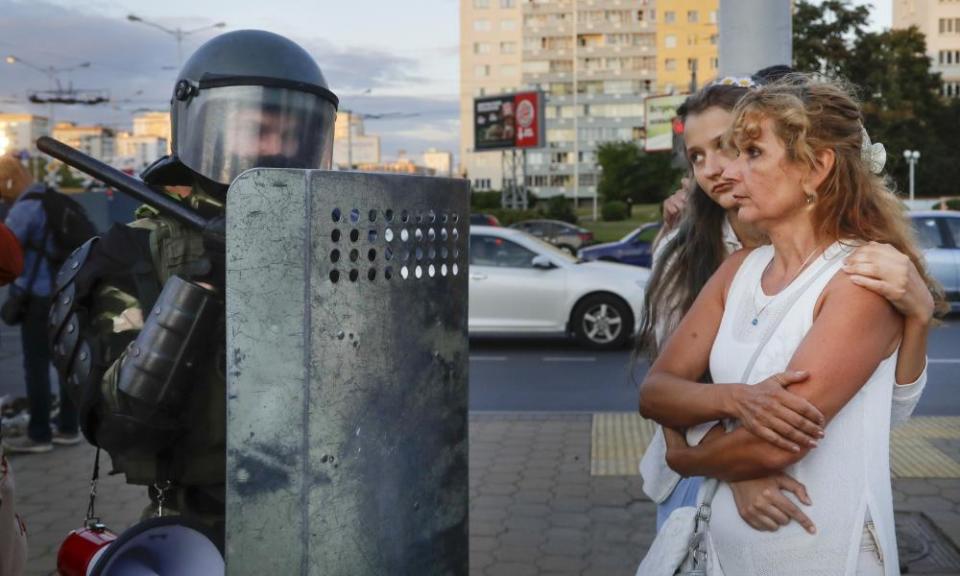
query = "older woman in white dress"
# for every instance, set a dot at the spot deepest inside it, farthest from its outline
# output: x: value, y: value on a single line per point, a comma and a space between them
x: 802, y: 178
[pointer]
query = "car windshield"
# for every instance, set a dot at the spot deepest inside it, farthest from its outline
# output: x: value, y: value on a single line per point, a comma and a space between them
x: 544, y: 246
x: 645, y: 233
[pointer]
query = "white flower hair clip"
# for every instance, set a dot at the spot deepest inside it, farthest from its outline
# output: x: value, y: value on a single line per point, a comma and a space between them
x: 742, y: 81
x: 874, y: 155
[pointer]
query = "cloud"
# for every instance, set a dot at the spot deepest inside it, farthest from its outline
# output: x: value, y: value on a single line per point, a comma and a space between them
x: 137, y: 66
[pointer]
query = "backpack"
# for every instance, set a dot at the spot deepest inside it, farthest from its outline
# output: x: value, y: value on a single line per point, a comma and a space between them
x: 67, y: 221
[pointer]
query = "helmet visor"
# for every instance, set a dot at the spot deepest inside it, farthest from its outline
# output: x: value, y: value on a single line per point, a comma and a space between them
x: 226, y: 130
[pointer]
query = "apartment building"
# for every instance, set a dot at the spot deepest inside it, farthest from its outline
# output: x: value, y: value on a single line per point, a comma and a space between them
x: 939, y: 20
x: 153, y: 124
x: 96, y: 141
x: 491, y: 41
x: 20, y: 132
x: 440, y: 161
x: 594, y: 60
x: 351, y: 144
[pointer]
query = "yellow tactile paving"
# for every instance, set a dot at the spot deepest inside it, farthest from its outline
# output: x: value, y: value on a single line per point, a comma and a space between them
x: 620, y: 438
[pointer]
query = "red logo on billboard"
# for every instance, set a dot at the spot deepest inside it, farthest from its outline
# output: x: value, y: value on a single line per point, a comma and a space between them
x: 527, y: 135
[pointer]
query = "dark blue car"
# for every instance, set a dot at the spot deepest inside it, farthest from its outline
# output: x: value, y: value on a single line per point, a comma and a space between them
x: 635, y: 248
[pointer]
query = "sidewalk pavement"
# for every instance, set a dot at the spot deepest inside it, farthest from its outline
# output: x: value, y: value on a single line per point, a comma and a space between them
x: 550, y: 494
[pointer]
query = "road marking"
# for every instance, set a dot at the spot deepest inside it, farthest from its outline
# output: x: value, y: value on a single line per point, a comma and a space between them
x: 488, y: 358
x: 569, y: 359
x: 944, y: 360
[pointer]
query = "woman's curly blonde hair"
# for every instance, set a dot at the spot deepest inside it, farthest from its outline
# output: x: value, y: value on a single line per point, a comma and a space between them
x: 810, y: 115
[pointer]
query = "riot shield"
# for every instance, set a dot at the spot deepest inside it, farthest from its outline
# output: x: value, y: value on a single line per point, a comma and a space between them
x: 346, y: 374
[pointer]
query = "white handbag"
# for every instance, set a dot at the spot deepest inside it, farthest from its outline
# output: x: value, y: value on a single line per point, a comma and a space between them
x: 682, y: 546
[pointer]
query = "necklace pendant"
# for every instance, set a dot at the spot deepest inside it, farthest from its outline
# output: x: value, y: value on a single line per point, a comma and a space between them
x: 755, y: 321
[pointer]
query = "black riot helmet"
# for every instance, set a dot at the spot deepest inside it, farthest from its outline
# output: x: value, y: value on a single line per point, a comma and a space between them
x: 251, y: 99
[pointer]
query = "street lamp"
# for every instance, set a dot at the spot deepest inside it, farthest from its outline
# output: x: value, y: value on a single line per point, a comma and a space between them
x: 178, y: 33
x: 912, y: 157
x: 50, y: 71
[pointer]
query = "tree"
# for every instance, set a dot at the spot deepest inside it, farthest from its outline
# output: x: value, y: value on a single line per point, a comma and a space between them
x: 631, y: 175
x: 890, y: 73
x: 822, y: 34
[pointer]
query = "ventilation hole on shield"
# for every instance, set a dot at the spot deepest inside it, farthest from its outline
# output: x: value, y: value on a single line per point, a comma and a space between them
x: 371, y: 274
x: 456, y: 253
x: 354, y: 255
x: 388, y: 215
x: 418, y: 272
x: 456, y: 235
x: 443, y: 252
x: 419, y: 217
x: 372, y: 215
x: 404, y: 272
x: 372, y: 236
x: 372, y: 255
x: 404, y: 235
x: 443, y: 269
x: 354, y: 235
x: 354, y: 275
x: 388, y: 253
x: 443, y: 234
x: 335, y: 256
x: 404, y: 216
x: 443, y: 218
x: 431, y: 271
x: 455, y: 269
x: 355, y: 215
x: 431, y: 235
x: 456, y: 217
x: 432, y: 216
x: 405, y: 255
x: 336, y: 215
x: 388, y: 272
x: 335, y: 235
x: 334, y: 276
x: 419, y: 254
x: 388, y: 235
x: 432, y: 254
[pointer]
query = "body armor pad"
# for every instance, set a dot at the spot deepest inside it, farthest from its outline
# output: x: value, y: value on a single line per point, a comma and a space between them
x: 347, y: 374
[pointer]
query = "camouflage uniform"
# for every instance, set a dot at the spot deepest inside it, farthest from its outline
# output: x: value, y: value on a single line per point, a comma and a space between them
x: 118, y: 281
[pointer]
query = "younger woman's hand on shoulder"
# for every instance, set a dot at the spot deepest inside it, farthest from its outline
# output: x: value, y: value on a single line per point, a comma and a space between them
x: 883, y: 269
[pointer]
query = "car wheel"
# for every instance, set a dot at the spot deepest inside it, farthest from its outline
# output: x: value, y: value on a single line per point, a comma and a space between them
x: 568, y: 249
x: 602, y: 321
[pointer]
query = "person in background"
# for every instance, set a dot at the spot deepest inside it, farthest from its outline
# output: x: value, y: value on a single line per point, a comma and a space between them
x: 28, y: 222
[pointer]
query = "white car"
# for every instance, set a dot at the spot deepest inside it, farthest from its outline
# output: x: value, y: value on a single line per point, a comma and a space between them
x: 522, y: 285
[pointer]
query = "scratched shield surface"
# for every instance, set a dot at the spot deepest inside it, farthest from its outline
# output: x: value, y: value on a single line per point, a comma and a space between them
x: 347, y: 374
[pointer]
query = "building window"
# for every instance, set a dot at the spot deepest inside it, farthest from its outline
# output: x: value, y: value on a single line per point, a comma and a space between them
x: 508, y: 70
x: 508, y: 47
x: 481, y: 3
x: 508, y: 3
x: 639, y: 15
x: 670, y: 64
x: 714, y: 63
x: 481, y: 25
x: 481, y: 48
x: 669, y: 17
x: 670, y: 41
x: 714, y: 39
x: 481, y: 71
x: 692, y: 40
x: 508, y: 25
x: 712, y: 17
x: 691, y: 64
x: 693, y: 16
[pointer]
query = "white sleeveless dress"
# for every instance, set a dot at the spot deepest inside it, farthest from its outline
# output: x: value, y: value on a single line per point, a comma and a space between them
x: 847, y: 475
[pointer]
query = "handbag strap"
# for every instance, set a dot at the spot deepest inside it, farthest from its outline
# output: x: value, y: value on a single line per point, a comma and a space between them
x: 710, y: 485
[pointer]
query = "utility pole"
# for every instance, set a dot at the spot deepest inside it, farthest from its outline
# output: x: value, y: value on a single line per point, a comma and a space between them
x: 754, y: 34
x: 912, y: 157
x: 178, y: 33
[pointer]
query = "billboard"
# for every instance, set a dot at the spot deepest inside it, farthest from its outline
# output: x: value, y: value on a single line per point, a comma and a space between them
x: 658, y: 113
x: 508, y: 121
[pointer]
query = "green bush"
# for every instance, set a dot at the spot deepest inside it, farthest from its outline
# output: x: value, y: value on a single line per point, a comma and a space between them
x: 482, y: 201
x: 560, y: 208
x: 953, y: 204
x: 614, y: 211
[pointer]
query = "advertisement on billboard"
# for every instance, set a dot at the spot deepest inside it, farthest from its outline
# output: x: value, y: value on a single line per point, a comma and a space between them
x: 508, y: 121
x: 659, y: 112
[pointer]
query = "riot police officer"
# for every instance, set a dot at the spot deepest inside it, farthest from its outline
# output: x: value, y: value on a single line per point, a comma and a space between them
x: 137, y: 326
